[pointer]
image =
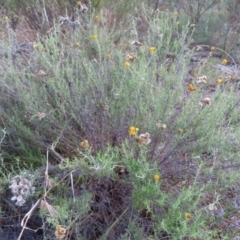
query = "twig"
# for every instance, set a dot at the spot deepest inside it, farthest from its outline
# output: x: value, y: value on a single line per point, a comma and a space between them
x: 221, y: 50
x: 27, y: 216
x: 45, y: 13
x: 73, y: 193
x: 4, y: 135
x: 57, y: 154
x: 109, y: 229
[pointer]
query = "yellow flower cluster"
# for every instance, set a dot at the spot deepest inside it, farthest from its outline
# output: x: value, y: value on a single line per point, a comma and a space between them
x: 152, y: 50
x: 191, y: 87
x: 60, y: 232
x: 133, y: 131
x: 142, y: 139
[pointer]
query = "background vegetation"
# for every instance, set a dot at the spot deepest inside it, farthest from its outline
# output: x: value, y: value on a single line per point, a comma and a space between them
x: 119, y: 120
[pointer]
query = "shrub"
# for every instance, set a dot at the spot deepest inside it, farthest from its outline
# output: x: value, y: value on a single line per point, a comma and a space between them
x: 134, y: 133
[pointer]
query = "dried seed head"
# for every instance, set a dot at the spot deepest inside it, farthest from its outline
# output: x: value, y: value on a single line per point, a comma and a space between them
x: 130, y: 57
x: 140, y: 141
x: 212, y: 207
x: 201, y: 104
x: 84, y: 144
x: 202, y: 79
x: 41, y: 73
x: 188, y: 216
x: 207, y: 100
x: 147, y: 135
x: 143, y: 139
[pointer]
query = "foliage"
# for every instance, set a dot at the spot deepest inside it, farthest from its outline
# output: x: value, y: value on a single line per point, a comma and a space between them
x: 129, y: 133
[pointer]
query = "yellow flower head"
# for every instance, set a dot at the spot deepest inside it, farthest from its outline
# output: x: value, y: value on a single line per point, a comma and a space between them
x: 84, y: 144
x: 224, y: 61
x: 133, y: 131
x: 94, y: 37
x: 191, y: 87
x: 180, y: 130
x: 6, y: 18
x: 127, y: 64
x: 156, y: 177
x: 175, y: 13
x: 108, y: 56
x: 188, y: 216
x: 219, y: 81
x: 152, y: 50
x: 97, y: 17
x: 79, y: 3
x: 212, y: 48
